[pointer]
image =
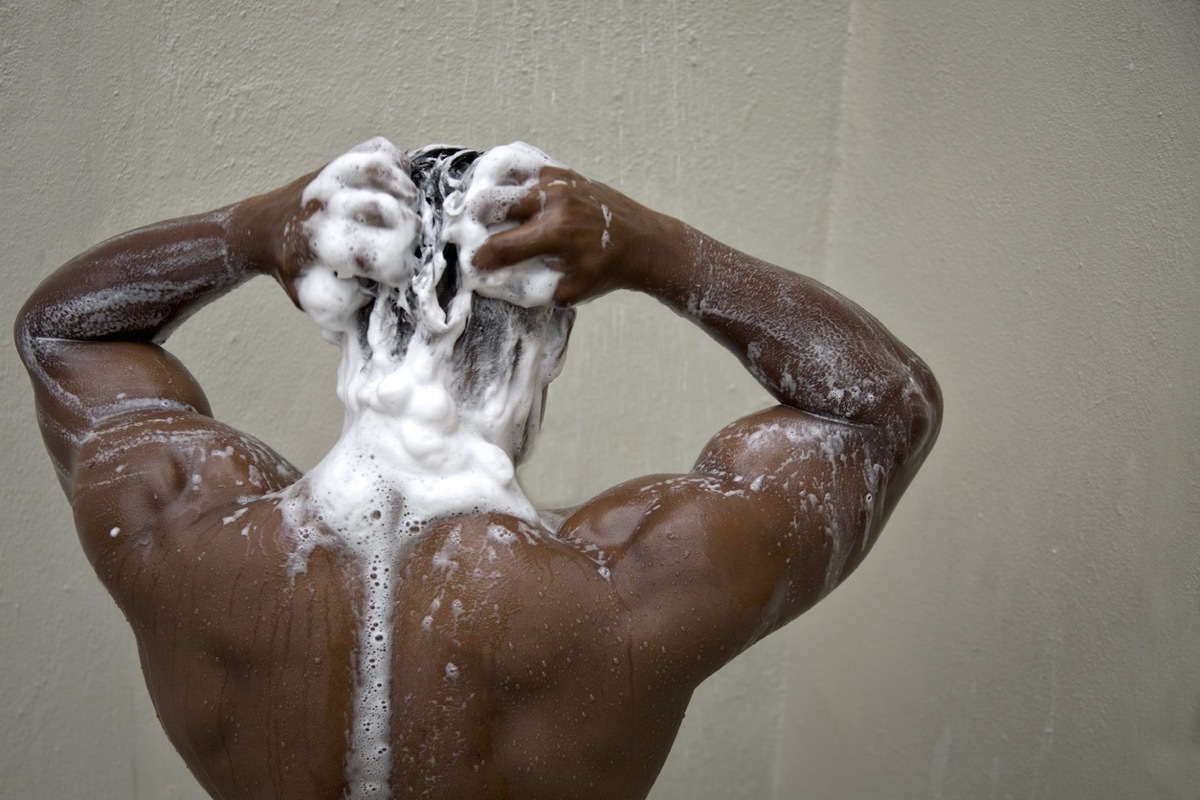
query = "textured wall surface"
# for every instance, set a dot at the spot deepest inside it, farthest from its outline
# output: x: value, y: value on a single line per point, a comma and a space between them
x: 1014, y: 189
x: 1018, y: 193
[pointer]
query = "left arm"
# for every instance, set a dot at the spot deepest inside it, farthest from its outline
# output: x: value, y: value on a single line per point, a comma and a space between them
x: 89, y: 334
x: 128, y: 429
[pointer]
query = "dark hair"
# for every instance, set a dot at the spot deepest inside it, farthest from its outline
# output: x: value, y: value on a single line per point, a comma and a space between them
x: 438, y: 170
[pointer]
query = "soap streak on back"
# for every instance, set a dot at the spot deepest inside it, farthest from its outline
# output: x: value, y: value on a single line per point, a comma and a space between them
x: 414, y: 448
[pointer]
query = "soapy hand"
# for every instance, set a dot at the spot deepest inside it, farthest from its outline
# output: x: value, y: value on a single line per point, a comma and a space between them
x: 361, y: 225
x: 355, y: 216
x: 329, y: 235
x: 596, y: 237
x: 362, y: 215
x: 499, y: 179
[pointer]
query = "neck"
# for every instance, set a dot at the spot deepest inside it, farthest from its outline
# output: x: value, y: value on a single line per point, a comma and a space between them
x: 420, y: 441
x: 408, y: 448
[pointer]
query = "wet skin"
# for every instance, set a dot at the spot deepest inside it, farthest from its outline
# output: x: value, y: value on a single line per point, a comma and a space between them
x: 523, y: 664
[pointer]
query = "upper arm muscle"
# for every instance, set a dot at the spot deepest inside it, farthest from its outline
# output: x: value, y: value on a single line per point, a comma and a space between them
x: 147, y: 473
x: 831, y: 481
x: 131, y: 435
x: 80, y: 385
x: 779, y: 509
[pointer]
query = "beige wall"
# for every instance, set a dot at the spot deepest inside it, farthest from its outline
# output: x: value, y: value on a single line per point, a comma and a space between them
x: 1014, y: 188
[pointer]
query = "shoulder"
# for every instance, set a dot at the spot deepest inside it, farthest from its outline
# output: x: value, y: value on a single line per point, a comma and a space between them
x: 154, y: 471
x: 780, y: 507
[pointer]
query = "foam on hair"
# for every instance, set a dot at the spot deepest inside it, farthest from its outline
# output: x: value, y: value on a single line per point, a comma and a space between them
x: 442, y: 375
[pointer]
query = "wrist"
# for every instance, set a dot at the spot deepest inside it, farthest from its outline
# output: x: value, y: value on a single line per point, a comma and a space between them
x: 664, y: 271
x: 249, y: 246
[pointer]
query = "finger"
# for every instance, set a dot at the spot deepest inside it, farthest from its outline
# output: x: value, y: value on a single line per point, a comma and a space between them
x: 534, y: 200
x: 373, y: 209
x: 512, y: 246
x: 553, y: 176
x: 529, y: 204
x: 372, y: 171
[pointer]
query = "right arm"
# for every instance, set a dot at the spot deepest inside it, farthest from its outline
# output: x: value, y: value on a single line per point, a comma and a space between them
x: 809, y: 346
x: 781, y: 505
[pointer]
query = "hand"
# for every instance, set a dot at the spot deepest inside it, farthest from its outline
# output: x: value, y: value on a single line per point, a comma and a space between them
x: 355, y: 218
x: 362, y: 217
x: 596, y: 237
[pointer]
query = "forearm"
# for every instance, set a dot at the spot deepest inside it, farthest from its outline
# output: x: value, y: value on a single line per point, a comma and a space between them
x: 811, y: 348
x: 141, y: 285
x: 88, y: 333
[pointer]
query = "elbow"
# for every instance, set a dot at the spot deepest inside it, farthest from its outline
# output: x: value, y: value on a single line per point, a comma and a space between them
x: 25, y: 331
x: 924, y: 405
x: 34, y: 326
x: 914, y: 421
x: 44, y: 317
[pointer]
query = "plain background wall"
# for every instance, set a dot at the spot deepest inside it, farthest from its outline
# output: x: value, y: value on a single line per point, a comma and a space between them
x: 1013, y: 188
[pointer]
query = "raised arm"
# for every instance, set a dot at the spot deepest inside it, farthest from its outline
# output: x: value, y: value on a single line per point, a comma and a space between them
x: 128, y: 429
x: 781, y: 505
x: 89, y: 335
x: 811, y: 348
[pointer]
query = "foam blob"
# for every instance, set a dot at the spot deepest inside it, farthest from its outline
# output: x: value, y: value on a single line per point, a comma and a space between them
x: 369, y: 222
x: 497, y: 180
x: 430, y: 430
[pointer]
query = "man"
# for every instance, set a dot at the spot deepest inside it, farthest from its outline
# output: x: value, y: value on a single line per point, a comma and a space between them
x: 399, y: 622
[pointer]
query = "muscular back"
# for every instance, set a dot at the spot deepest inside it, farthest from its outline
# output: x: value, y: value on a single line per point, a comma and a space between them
x: 526, y: 661
x: 508, y: 657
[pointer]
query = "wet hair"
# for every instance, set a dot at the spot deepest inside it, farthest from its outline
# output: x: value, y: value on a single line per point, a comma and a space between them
x: 497, y: 334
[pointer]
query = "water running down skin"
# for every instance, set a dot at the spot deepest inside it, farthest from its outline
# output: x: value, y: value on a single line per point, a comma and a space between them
x: 543, y: 657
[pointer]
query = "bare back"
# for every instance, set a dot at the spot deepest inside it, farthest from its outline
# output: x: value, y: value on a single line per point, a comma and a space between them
x: 526, y: 661
x: 521, y: 659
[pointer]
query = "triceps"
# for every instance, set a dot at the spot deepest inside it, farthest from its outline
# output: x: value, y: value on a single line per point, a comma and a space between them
x: 826, y: 484
x: 79, y: 385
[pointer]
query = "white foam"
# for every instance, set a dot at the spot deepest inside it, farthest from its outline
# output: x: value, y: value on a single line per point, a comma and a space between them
x: 420, y: 442
x: 369, y: 218
x: 497, y: 180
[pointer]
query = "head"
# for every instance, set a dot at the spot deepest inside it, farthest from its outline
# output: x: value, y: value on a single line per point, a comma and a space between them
x: 431, y: 341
